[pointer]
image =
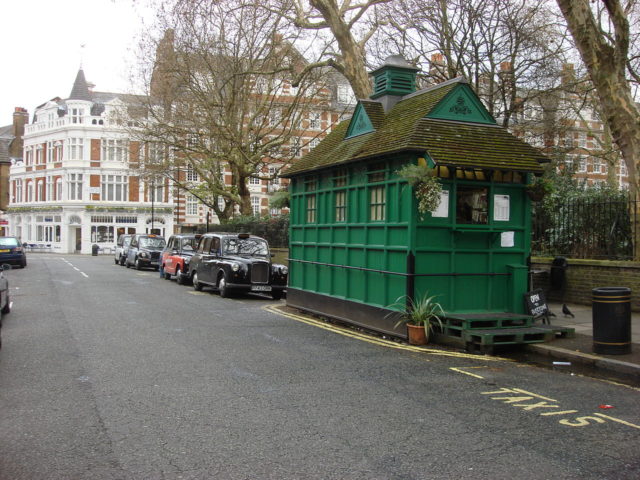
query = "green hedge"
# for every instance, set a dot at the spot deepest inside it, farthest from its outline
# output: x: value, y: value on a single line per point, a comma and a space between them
x: 274, y: 229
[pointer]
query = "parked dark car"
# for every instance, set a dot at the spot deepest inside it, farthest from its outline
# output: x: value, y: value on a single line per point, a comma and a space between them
x: 5, y: 301
x: 176, y: 256
x: 12, y: 252
x: 144, y: 251
x: 122, y: 246
x: 231, y: 262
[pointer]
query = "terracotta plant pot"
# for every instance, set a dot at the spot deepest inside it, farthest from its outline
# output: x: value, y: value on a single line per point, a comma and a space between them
x: 417, y: 335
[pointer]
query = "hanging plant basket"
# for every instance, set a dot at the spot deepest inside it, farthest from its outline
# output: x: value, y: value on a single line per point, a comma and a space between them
x: 426, y: 185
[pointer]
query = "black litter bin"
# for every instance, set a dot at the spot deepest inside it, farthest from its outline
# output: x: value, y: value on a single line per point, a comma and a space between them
x: 94, y: 250
x: 558, y: 273
x: 611, y: 320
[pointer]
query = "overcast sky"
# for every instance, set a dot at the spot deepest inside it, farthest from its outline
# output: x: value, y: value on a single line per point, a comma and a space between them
x: 41, y: 48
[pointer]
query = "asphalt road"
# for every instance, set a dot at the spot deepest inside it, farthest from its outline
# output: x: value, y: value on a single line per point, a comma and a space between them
x: 111, y: 373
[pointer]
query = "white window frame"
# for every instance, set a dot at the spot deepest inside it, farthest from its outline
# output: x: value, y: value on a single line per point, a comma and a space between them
x: 114, y: 188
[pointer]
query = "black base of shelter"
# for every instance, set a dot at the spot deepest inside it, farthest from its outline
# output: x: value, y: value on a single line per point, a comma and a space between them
x: 378, y: 319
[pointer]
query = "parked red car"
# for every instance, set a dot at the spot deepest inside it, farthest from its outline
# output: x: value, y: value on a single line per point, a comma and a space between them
x: 176, y: 256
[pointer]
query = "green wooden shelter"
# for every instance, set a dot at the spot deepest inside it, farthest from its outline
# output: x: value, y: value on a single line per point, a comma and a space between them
x: 357, y: 240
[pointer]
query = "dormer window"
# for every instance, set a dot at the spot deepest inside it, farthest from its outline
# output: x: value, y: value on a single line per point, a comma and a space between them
x: 76, y: 115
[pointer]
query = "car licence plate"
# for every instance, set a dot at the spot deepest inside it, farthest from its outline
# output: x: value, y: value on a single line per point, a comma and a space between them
x: 4, y: 250
x: 260, y: 288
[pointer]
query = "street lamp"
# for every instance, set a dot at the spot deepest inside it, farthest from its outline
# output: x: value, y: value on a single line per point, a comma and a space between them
x: 153, y: 197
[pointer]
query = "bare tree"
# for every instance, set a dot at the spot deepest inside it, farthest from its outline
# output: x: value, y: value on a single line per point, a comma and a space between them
x: 221, y: 106
x: 601, y: 31
x: 509, y: 50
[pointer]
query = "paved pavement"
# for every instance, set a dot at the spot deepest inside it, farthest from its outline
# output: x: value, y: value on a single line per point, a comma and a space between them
x: 579, y: 349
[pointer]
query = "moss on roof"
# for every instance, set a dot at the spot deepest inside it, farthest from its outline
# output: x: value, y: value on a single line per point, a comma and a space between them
x: 405, y: 128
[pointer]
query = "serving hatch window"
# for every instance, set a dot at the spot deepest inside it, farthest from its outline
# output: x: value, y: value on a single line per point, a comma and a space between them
x: 472, y: 205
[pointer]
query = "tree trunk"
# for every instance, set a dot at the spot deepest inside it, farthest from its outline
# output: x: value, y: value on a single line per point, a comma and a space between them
x: 606, y: 63
x: 353, y: 57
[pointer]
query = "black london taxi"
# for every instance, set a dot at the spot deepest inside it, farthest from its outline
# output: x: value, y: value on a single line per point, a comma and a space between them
x: 232, y: 262
x: 144, y: 251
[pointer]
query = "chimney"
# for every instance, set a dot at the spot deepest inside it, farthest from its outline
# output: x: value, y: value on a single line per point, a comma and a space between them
x: 20, y: 119
x: 568, y: 75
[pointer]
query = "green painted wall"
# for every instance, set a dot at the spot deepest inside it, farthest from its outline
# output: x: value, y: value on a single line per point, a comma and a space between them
x: 441, y: 245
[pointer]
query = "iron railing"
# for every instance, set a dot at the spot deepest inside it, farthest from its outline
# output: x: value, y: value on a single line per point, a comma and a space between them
x: 605, y: 230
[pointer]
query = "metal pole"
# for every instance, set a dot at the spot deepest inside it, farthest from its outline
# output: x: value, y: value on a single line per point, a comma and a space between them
x: 153, y: 196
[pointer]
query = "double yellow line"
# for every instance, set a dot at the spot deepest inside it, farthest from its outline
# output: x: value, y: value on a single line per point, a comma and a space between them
x: 280, y: 310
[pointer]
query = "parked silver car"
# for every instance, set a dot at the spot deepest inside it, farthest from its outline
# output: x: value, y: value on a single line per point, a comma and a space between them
x: 122, y: 246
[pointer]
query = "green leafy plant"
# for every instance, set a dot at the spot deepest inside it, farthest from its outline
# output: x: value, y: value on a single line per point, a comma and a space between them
x: 539, y: 188
x: 426, y: 186
x: 423, y: 311
x: 280, y: 199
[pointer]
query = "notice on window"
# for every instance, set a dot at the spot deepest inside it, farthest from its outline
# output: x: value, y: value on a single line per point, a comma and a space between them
x: 506, y: 239
x: 501, y: 208
x: 443, y: 209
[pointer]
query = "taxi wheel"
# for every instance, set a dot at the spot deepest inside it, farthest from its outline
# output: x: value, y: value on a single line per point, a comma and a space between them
x: 222, y: 287
x: 7, y: 308
x: 197, y: 286
x: 180, y: 280
x: 138, y: 266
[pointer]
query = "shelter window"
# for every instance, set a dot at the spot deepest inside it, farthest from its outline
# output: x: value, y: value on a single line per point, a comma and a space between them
x: 340, y: 178
x: 377, y: 173
x: 311, y: 209
x: 378, y: 203
x: 341, y: 205
x: 472, y: 205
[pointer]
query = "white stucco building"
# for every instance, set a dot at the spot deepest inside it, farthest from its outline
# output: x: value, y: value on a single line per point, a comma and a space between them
x: 78, y: 183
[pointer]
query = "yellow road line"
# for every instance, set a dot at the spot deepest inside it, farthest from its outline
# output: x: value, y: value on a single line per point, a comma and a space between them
x: 613, y: 419
x: 459, y: 370
x: 276, y: 309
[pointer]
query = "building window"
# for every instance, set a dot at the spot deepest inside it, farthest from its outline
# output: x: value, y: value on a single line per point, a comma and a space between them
x: 255, y: 205
x: 155, y: 153
x: 114, y: 188
x: 76, y: 149
x: 192, y: 205
x: 28, y: 155
x: 75, y: 186
x: 192, y: 175
x: 295, y: 147
x: 50, y: 190
x: 582, y: 164
x: 114, y: 150
x: 378, y: 202
x: 597, y: 165
x: 315, y: 120
x: 50, y: 152
x: 102, y: 234
x: 345, y: 94
x: 30, y: 192
x: 254, y: 181
x: 39, y: 155
x: 18, y: 192
x: 156, y: 190
x: 39, y: 190
x: 58, y: 189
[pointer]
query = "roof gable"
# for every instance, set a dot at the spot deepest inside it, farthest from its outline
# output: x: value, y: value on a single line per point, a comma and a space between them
x: 462, y: 105
x: 360, y: 123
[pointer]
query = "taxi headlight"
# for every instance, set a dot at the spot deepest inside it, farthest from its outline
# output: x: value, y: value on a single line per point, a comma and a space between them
x: 235, y: 267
